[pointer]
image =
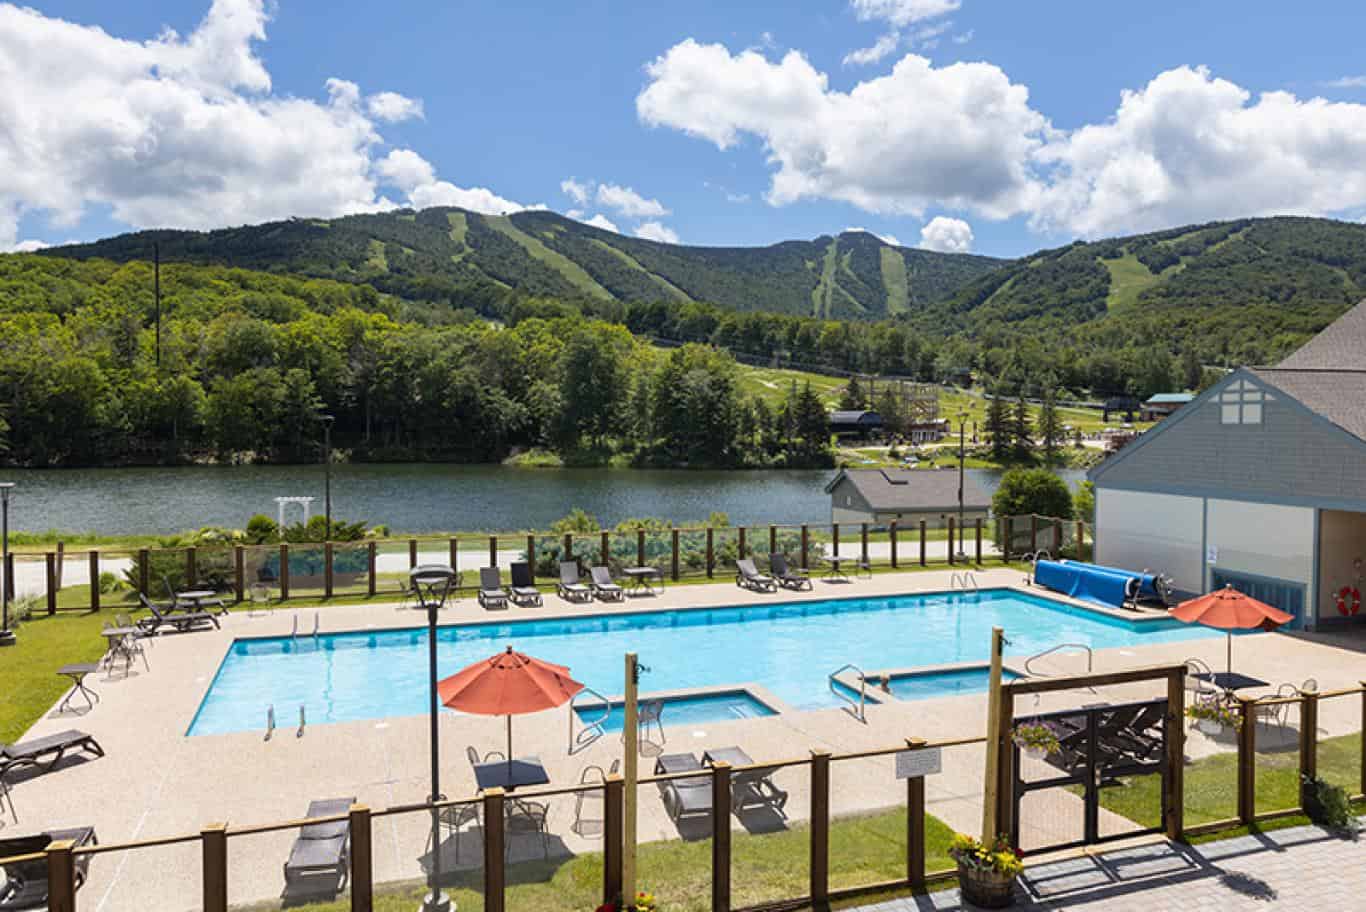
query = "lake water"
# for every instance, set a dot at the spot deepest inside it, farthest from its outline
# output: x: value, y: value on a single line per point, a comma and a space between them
x: 415, y: 498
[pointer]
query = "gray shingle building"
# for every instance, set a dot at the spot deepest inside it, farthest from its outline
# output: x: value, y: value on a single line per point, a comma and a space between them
x: 1259, y: 482
x: 879, y: 496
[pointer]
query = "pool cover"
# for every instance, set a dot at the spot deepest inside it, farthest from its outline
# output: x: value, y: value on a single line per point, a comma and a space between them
x: 1086, y: 582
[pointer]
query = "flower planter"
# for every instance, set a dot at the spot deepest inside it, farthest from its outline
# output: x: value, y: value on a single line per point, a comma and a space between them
x: 1037, y: 753
x: 1209, y: 727
x: 986, y: 889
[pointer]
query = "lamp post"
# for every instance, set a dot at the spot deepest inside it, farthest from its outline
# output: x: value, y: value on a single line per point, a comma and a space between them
x: 432, y: 583
x: 962, y: 455
x: 327, y: 474
x: 7, y: 637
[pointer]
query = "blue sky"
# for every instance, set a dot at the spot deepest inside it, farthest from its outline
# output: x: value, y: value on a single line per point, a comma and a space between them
x: 727, y: 123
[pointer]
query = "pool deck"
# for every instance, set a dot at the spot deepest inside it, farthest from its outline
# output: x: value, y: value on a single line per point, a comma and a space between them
x: 154, y: 781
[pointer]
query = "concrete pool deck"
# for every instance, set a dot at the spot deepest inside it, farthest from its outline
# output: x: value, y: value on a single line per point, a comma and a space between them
x: 154, y: 781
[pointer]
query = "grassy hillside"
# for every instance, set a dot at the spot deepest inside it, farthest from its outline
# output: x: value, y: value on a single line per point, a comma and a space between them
x: 445, y: 252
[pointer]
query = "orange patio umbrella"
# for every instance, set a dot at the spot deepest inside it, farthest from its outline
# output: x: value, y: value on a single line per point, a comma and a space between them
x: 1229, y: 609
x: 508, y: 684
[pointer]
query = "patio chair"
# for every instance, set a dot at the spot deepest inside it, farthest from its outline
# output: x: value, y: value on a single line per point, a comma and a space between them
x: 525, y: 817
x: 1197, y: 679
x: 751, y: 788
x: 603, y: 587
x: 591, y: 775
x: 25, y: 882
x: 786, y: 576
x: 651, y: 712
x: 524, y: 591
x: 129, y: 647
x: 5, y: 793
x: 180, y: 623
x: 747, y: 576
x: 569, y: 588
x: 454, y: 819
x: 321, y: 848
x: 491, y: 756
x: 689, y: 796
x: 491, y: 593
x: 48, y: 750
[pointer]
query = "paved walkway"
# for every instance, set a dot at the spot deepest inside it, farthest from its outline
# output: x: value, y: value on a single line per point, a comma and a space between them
x: 1292, y: 869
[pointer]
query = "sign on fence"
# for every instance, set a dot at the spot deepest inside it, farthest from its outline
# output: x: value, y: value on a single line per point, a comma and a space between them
x: 911, y: 764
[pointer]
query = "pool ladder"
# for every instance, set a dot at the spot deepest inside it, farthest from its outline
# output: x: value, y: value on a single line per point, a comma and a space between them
x: 964, y: 580
x: 317, y: 623
x: 855, y: 707
x: 592, y: 730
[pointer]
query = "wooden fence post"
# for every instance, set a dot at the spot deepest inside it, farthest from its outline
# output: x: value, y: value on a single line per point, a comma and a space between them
x: 740, y: 544
x: 284, y: 571
x: 720, y: 837
x: 820, y: 829
x: 1004, y: 531
x: 1175, y: 812
x: 923, y: 538
x: 606, y: 547
x: 567, y: 547
x: 772, y: 539
x: 1247, y: 760
x: 1309, y: 736
x: 915, y: 825
x: 711, y: 553
x: 1034, y: 533
x: 979, y: 541
x: 806, y: 537
x: 412, y: 553
x: 863, y: 545
x: 191, y: 567
x: 94, y: 581
x: 51, y: 560
x: 493, y: 550
x: 673, y: 566
x: 1057, y: 537
x: 327, y: 569
x: 951, y: 548
x: 1081, y: 540
x: 61, y: 562
x: 835, y: 538
x: 370, y: 563
x: 1363, y: 737
x: 613, y: 821
x: 640, y: 547
x: 362, y: 860
x: 144, y: 572
x: 891, y: 540
x: 61, y: 876
x: 239, y: 572
x: 495, y: 873
x: 214, y: 874
x: 530, y: 557
x: 453, y: 552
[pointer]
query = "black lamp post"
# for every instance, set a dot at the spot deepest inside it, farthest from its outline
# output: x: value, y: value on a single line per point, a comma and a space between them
x: 432, y: 583
x: 7, y: 637
x: 962, y: 455
x: 327, y: 473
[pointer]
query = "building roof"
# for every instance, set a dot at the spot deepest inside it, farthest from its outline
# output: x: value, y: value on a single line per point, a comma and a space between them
x: 1338, y: 395
x: 854, y: 416
x: 1169, y: 399
x: 908, y: 490
x: 1340, y: 346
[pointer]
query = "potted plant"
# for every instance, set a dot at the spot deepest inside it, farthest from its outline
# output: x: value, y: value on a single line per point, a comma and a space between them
x: 645, y: 902
x: 986, y: 873
x: 1036, y: 739
x: 1213, y: 716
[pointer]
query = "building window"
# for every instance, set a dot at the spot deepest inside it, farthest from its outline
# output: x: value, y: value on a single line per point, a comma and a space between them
x: 1241, y: 403
x: 848, y: 500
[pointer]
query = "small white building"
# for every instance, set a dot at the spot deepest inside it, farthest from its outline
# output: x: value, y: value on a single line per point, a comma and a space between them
x: 906, y: 496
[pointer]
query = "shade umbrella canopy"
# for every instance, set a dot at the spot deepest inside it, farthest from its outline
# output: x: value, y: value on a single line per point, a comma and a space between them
x: 1229, y: 609
x: 508, y: 684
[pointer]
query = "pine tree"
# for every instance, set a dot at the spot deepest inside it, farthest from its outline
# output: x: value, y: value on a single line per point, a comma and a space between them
x: 1191, y: 369
x: 889, y: 407
x: 997, y: 428
x: 853, y: 396
x: 1049, y: 427
x: 1020, y: 428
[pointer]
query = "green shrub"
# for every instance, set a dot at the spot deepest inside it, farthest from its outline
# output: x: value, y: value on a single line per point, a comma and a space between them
x: 109, y: 582
x: 1026, y: 491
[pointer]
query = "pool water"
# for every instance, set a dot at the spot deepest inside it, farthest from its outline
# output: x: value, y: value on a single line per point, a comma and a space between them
x: 686, y: 710
x: 948, y: 683
x: 788, y: 647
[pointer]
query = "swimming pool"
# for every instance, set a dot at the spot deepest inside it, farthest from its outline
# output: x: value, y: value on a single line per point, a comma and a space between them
x: 788, y: 647
x: 690, y: 709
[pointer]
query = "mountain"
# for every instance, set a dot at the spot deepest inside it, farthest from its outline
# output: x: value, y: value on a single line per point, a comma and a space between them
x: 446, y: 252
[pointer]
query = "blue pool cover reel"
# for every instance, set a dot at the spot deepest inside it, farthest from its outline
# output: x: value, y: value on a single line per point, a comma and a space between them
x: 1147, y: 582
x: 1085, y: 582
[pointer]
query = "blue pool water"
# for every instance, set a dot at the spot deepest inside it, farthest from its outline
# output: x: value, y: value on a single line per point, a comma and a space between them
x: 943, y: 683
x: 788, y: 647
x: 689, y: 710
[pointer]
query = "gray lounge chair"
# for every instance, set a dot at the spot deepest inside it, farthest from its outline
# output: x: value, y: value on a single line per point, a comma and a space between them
x: 569, y: 587
x: 25, y: 882
x: 180, y: 623
x: 322, y: 848
x: 491, y: 593
x: 747, y: 576
x: 603, y: 587
x: 48, y: 750
x: 689, y: 796
x: 786, y: 575
x: 524, y: 591
x: 749, y: 788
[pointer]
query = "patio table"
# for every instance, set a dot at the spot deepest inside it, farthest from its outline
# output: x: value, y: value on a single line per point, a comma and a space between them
x: 508, y: 776
x: 640, y: 579
x: 196, y: 598
x: 77, y: 673
x: 116, y: 644
x: 1231, y: 680
x: 835, y: 569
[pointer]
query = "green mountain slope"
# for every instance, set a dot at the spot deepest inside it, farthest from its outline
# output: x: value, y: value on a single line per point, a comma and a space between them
x: 447, y: 252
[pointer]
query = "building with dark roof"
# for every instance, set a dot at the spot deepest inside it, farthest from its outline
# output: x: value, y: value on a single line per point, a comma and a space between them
x: 1155, y: 408
x: 1259, y: 482
x: 906, y: 496
x: 855, y: 422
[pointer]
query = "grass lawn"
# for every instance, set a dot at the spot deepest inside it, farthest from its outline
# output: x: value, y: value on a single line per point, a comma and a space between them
x: 863, y: 850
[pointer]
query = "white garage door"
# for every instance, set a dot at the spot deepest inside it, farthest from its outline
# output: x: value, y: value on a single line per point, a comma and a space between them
x: 1157, y: 532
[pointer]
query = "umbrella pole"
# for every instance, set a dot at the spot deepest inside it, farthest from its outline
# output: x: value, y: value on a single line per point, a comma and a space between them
x: 629, y: 768
x: 1228, y: 660
x: 509, y: 753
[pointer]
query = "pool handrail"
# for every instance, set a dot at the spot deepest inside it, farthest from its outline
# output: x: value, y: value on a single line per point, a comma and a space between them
x: 856, y: 709
x: 592, y: 730
x: 1090, y: 657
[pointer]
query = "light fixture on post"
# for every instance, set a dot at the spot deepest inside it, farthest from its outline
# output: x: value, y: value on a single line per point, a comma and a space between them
x: 961, y: 556
x: 432, y: 584
x: 7, y: 636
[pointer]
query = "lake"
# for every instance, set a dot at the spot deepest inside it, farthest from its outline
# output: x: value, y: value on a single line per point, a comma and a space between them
x: 417, y: 498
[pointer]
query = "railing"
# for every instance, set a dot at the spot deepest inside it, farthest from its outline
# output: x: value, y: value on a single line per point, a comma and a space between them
x: 855, y: 707
x: 589, y: 731
x: 964, y: 581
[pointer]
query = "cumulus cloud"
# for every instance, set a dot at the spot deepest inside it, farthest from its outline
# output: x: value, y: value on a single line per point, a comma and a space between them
x: 628, y: 202
x: 603, y: 222
x: 657, y: 231
x: 179, y: 132
x: 30, y: 246
x: 901, y: 13
x: 946, y: 235
x: 961, y: 135
x: 577, y: 191
x: 885, y: 238
x: 964, y: 37
x: 879, y: 49
x: 392, y: 107
x: 1347, y: 82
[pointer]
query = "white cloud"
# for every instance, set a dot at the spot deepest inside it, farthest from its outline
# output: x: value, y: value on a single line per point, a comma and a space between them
x: 927, y: 36
x: 737, y: 197
x: 946, y: 235
x: 180, y: 132
x: 29, y: 246
x: 405, y: 169
x: 415, y: 177
x: 577, y: 191
x: 603, y: 222
x: 902, y: 12
x: 392, y: 107
x: 964, y: 37
x: 1189, y: 147
x: 656, y: 231
x: 885, y: 238
x: 1347, y: 82
x: 960, y: 136
x: 628, y: 202
x: 884, y: 45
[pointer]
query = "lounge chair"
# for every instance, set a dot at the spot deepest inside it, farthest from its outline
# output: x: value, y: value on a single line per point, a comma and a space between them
x: 321, y: 848
x: 49, y: 749
x: 180, y: 623
x: 689, y: 796
x: 491, y: 594
x: 524, y: 591
x: 603, y: 587
x: 749, y: 788
x: 25, y: 882
x: 747, y: 576
x: 569, y: 587
x: 785, y: 575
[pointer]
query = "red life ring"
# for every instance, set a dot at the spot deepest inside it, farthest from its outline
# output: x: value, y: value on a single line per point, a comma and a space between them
x: 1346, y: 594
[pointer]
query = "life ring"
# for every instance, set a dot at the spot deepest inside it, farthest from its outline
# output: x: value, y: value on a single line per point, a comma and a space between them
x: 1346, y: 595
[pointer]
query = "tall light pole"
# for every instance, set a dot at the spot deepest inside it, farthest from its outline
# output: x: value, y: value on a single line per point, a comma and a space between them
x: 962, y: 456
x: 7, y: 637
x: 327, y: 474
x: 432, y: 583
